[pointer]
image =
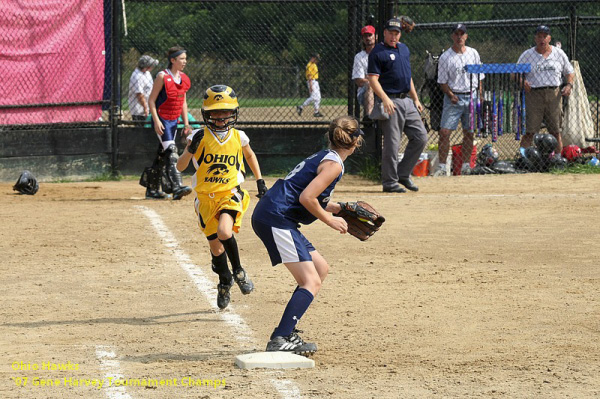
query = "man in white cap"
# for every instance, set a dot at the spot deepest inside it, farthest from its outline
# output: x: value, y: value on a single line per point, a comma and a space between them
x: 140, y: 86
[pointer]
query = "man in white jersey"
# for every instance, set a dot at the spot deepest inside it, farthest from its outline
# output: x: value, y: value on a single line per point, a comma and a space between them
x: 543, y: 93
x: 459, y: 88
x: 359, y: 69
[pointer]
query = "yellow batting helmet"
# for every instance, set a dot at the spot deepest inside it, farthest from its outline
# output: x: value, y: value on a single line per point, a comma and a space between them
x: 220, y: 98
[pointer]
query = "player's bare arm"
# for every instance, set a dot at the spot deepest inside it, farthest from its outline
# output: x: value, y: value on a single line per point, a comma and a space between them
x: 326, y: 174
x: 252, y: 161
x: 187, y: 129
x: 156, y: 88
x: 333, y: 207
x: 184, y: 159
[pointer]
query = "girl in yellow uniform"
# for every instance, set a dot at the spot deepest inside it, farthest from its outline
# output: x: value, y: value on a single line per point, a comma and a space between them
x: 218, y: 152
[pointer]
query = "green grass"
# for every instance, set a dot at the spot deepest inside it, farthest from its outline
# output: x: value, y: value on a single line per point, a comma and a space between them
x: 577, y: 169
x: 108, y: 176
x: 272, y: 102
x: 261, y: 102
x: 367, y: 167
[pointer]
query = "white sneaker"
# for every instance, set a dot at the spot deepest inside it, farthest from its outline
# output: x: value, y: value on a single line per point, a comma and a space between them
x: 465, y: 170
x: 440, y: 172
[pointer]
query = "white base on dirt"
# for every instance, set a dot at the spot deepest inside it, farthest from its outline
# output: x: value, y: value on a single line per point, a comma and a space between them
x: 273, y: 360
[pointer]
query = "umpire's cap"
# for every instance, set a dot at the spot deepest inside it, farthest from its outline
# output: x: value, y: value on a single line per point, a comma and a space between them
x: 394, y: 24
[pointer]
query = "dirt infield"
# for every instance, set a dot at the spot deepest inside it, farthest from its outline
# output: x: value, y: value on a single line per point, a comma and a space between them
x: 479, y: 286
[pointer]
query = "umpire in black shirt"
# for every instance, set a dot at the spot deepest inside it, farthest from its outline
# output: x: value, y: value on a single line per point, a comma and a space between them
x: 390, y: 78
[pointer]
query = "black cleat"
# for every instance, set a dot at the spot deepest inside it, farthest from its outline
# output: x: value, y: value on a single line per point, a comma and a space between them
x: 299, y: 110
x: 318, y: 115
x: 243, y: 281
x: 292, y: 343
x: 223, y: 296
x: 181, y: 192
x: 155, y: 194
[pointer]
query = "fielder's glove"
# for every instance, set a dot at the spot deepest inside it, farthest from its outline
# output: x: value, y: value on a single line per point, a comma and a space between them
x: 363, y: 220
x: 407, y: 24
x: 262, y: 188
x: 193, y: 145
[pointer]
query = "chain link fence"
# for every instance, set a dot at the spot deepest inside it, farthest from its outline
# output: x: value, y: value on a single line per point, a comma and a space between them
x: 501, y: 31
x: 262, y: 48
x: 259, y: 48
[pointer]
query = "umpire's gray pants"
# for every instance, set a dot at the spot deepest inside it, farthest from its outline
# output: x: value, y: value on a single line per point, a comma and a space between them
x: 405, y: 118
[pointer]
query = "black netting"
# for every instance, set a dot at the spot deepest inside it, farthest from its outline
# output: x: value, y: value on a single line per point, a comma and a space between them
x: 501, y: 32
x: 261, y: 49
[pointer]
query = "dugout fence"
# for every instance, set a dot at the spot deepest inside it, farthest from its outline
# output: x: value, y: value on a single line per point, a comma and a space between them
x: 260, y: 48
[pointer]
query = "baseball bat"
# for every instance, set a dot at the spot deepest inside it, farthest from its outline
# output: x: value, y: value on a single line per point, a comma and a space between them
x: 518, y: 120
x: 523, y: 110
x: 471, y: 108
x: 494, y: 111
x: 500, y: 107
x: 478, y: 112
x: 515, y: 111
x: 485, y: 111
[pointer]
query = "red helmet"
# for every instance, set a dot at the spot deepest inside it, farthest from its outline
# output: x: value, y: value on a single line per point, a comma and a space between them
x: 571, y: 152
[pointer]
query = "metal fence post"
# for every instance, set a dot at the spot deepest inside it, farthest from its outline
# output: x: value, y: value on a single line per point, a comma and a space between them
x: 573, y: 32
x: 353, y: 108
x: 116, y: 87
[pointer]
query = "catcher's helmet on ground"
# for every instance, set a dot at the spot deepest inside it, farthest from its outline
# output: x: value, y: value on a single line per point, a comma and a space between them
x: 503, y: 167
x: 26, y: 184
x: 487, y: 156
x: 220, y: 98
x: 557, y: 161
x: 529, y: 160
x: 545, y: 143
x: 571, y: 152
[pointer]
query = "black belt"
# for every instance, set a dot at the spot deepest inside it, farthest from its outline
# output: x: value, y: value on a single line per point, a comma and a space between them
x: 545, y: 88
x: 461, y: 92
x: 397, y: 95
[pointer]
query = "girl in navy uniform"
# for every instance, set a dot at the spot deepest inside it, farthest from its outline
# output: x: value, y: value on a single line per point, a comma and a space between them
x: 301, y: 198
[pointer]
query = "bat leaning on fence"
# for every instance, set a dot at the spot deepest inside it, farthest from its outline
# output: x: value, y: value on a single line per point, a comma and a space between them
x: 500, y: 106
x: 471, y: 107
x: 524, y: 112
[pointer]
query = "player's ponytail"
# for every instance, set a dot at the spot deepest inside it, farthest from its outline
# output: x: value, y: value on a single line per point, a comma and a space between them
x: 344, y: 132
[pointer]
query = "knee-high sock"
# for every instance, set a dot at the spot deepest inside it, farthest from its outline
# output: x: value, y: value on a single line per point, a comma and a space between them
x: 219, y: 266
x: 295, y: 309
x: 231, y: 248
